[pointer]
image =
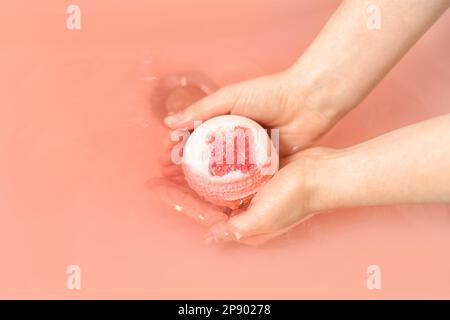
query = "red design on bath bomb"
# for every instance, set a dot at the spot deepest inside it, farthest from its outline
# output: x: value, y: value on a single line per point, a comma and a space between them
x: 227, y: 159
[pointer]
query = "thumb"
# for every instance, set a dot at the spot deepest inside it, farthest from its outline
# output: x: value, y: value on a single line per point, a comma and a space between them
x: 267, y: 214
x: 218, y: 103
x: 256, y: 98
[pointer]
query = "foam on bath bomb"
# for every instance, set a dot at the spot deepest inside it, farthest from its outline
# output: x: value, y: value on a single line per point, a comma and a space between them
x: 227, y: 159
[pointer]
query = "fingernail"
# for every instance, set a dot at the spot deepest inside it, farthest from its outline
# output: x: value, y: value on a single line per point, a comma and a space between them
x: 219, y: 233
x: 174, y: 119
x: 295, y: 149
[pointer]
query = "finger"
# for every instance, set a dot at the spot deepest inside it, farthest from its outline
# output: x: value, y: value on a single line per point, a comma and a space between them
x: 218, y: 103
x: 181, y: 199
x: 258, y: 240
x: 245, y: 98
x: 171, y: 171
x: 266, y: 214
x: 222, y: 232
x: 169, y: 142
x: 174, y: 92
x: 263, y: 238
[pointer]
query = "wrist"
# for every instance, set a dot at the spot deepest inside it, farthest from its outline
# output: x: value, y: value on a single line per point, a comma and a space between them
x: 321, y: 89
x: 328, y: 179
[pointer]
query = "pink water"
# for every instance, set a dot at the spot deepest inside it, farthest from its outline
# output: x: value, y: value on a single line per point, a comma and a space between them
x: 79, y: 139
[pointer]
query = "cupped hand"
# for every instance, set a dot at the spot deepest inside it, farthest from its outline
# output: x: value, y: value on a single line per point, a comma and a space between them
x: 269, y: 216
x: 266, y: 216
x: 276, y: 101
x: 279, y: 102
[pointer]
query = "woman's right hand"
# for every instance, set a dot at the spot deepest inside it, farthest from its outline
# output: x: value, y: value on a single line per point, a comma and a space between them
x: 279, y: 101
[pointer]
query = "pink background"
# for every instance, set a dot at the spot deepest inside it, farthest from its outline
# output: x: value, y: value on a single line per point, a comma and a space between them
x: 79, y: 140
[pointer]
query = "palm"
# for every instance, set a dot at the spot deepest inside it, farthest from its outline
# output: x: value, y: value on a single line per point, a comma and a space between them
x: 176, y: 193
x: 270, y: 101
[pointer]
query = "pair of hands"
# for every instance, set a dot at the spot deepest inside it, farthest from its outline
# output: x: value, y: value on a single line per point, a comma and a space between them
x: 340, y: 67
x: 276, y: 101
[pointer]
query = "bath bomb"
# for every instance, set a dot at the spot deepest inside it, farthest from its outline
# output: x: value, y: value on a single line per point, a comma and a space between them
x: 227, y: 159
